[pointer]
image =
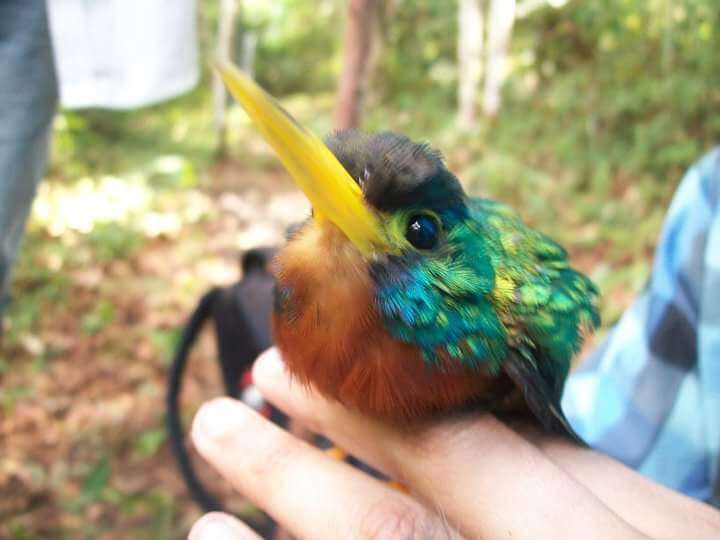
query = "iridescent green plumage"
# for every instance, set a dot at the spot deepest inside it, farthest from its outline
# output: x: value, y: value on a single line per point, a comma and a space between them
x: 496, y: 285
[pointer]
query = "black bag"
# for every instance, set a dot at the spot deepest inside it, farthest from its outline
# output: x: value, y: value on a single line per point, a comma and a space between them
x: 241, y: 317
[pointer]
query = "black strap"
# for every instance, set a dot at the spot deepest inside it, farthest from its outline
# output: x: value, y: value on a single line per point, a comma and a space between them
x: 190, y: 332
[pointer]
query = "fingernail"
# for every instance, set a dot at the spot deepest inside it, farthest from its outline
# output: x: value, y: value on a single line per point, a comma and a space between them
x: 218, y: 417
x: 268, y: 367
x: 217, y: 527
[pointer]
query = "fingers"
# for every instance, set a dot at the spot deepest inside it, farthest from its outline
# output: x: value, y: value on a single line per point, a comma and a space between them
x: 656, y: 510
x: 310, y: 494
x: 219, y: 526
x: 486, y: 479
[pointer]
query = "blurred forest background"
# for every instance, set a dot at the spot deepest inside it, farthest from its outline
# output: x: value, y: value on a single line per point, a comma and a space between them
x: 582, y: 114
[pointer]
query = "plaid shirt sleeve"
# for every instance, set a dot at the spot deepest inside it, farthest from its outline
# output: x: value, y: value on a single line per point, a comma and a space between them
x: 650, y: 394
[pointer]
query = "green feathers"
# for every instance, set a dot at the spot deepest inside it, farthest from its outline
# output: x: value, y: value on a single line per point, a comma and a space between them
x: 465, y: 281
x: 492, y: 287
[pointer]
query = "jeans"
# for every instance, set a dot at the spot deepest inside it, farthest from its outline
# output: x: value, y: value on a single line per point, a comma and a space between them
x: 28, y: 97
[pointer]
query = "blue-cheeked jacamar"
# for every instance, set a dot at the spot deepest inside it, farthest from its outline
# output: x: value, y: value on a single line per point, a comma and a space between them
x: 402, y: 297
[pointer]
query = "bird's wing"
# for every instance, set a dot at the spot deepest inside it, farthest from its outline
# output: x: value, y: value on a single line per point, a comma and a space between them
x: 544, y: 304
x: 542, y: 393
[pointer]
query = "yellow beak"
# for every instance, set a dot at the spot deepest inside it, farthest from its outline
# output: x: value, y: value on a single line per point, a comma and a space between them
x: 331, y: 190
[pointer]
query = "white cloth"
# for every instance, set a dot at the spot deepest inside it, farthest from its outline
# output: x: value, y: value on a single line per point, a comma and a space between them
x: 123, y: 54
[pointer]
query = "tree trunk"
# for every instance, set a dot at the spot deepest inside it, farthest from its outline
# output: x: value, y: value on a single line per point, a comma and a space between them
x: 249, y: 46
x: 470, y: 59
x: 374, y: 88
x: 351, y: 86
x: 226, y: 27
x: 500, y: 23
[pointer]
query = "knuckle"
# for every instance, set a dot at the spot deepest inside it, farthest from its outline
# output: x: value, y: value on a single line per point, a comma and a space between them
x: 397, y: 520
x: 436, y: 441
x: 453, y: 436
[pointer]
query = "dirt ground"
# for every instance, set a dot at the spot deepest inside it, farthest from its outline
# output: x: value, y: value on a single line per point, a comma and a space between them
x: 84, y: 451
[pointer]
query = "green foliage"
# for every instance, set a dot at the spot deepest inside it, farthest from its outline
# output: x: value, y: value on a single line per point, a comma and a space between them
x: 97, y: 489
x: 418, y: 54
x: 94, y: 141
x: 298, y: 49
x: 165, y: 341
x: 10, y: 396
x: 616, y: 85
x: 94, y: 486
x: 21, y: 532
x: 156, y: 504
x: 96, y: 480
x: 38, y: 282
x: 149, y: 442
x: 111, y: 240
x: 100, y: 317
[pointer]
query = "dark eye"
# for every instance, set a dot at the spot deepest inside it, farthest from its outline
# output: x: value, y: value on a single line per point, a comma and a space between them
x: 423, y: 231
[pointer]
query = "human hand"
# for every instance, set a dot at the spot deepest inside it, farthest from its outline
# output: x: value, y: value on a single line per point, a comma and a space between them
x: 470, y: 476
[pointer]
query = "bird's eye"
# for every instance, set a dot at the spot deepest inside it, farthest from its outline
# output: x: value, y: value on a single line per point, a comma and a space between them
x: 423, y: 231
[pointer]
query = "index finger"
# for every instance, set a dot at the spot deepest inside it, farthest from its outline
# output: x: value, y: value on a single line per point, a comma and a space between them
x: 310, y: 494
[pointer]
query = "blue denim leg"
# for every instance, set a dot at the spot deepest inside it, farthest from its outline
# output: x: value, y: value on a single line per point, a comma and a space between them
x: 28, y: 96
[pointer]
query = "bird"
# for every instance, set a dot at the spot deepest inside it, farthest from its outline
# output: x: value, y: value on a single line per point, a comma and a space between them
x: 402, y: 297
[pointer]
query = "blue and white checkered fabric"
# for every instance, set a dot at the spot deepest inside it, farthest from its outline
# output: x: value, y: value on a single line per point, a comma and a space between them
x: 650, y: 394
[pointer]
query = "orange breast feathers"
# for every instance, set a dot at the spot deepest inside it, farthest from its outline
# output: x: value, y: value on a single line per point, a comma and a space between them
x: 332, y: 337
